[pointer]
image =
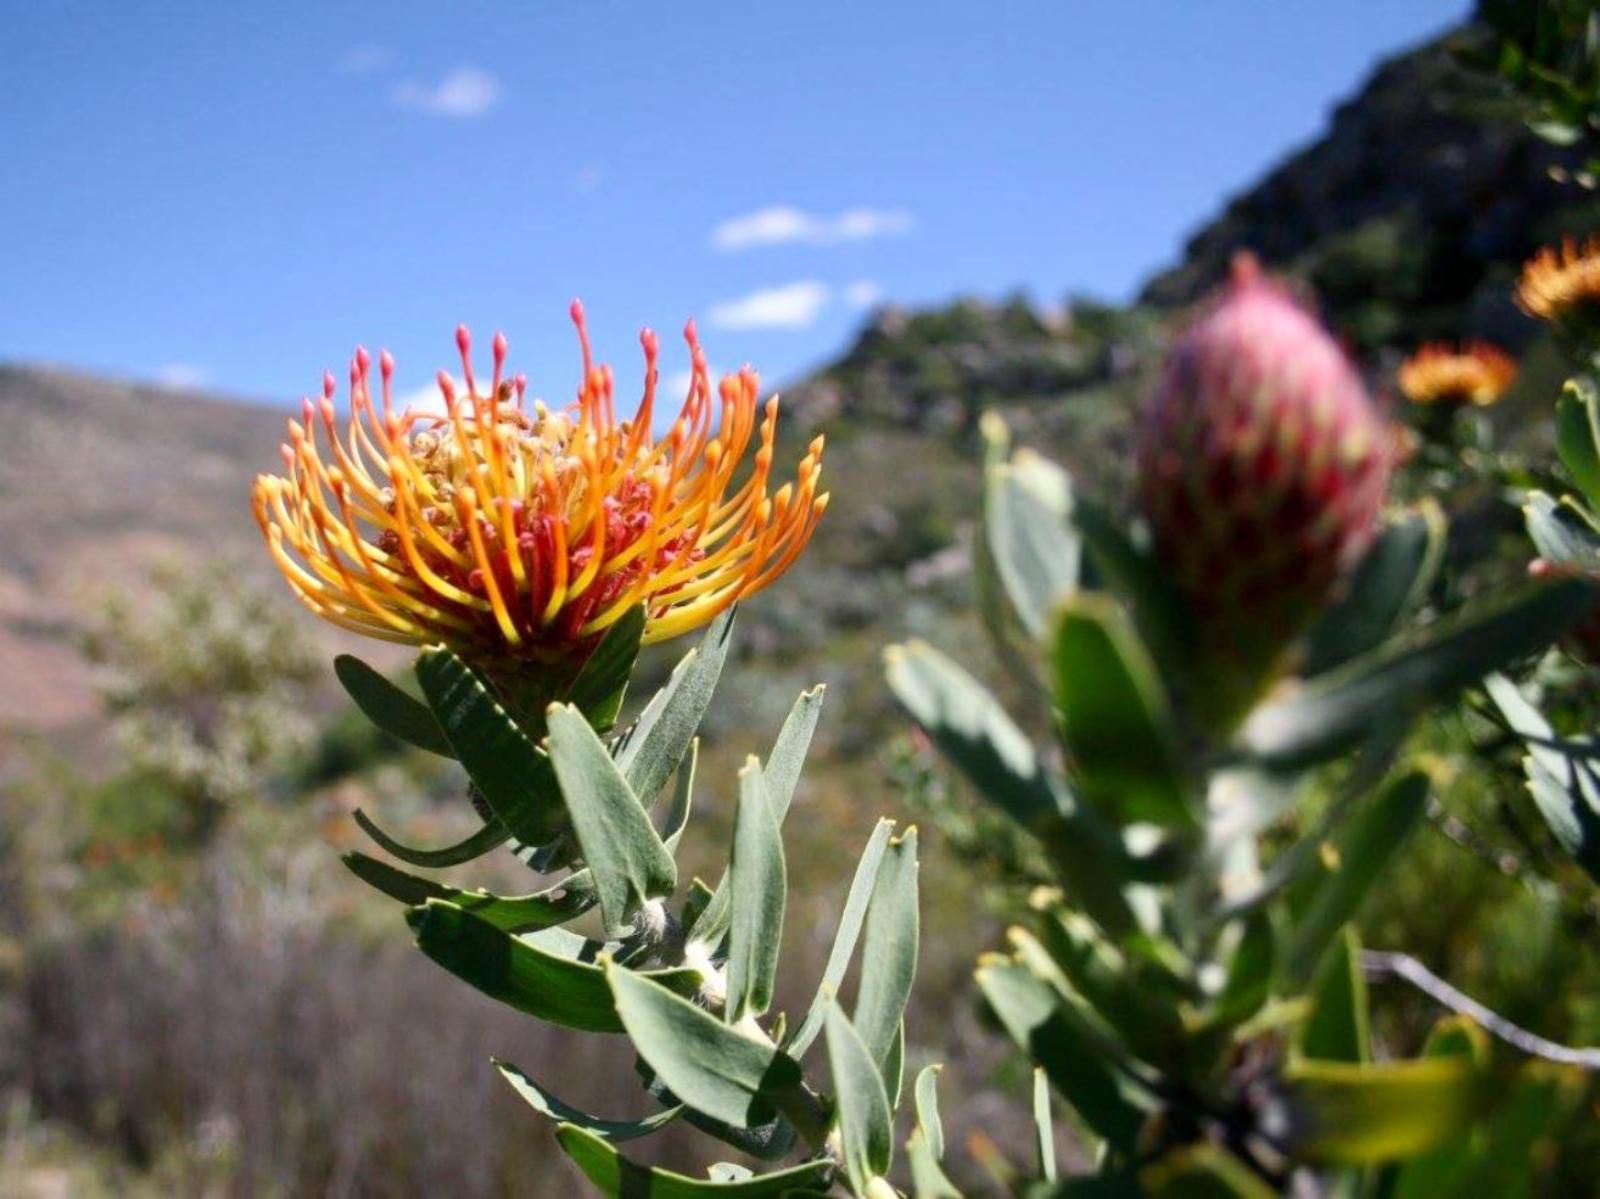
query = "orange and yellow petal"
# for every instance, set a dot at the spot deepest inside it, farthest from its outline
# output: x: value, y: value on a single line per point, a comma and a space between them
x: 1477, y: 373
x: 1559, y: 284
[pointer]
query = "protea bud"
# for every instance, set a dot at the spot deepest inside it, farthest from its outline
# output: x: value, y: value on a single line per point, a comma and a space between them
x: 1262, y: 466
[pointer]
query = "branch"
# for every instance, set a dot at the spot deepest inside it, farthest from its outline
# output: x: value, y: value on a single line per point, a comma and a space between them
x: 1402, y: 966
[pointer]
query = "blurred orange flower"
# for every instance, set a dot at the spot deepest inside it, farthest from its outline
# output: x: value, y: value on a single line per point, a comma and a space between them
x: 1477, y: 373
x: 1557, y: 285
x: 511, y: 531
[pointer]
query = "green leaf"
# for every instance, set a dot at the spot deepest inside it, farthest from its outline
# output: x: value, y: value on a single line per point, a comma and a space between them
x: 565, y: 901
x: 1388, y: 582
x: 510, y: 772
x: 651, y: 749
x: 1391, y: 686
x: 677, y: 818
x: 391, y: 709
x: 1199, y: 1172
x: 1249, y: 979
x: 1578, y: 435
x: 889, y: 956
x: 1028, y: 536
x: 602, y: 683
x: 613, y: 1174
x: 1115, y: 716
x: 1044, y: 1136
x: 1362, y: 1114
x: 1563, y: 776
x: 926, y: 1094
x: 1367, y: 845
x: 780, y: 777
x: 1338, y: 1028
x: 1032, y: 1013
x: 547, y: 1104
x: 625, y: 855
x: 722, y: 1071
x: 758, y: 884
x: 524, y: 975
x: 844, y: 940
x: 928, y: 1180
x: 1137, y: 579
x: 1563, y: 532
x: 974, y: 732
x: 492, y: 835
x: 861, y: 1107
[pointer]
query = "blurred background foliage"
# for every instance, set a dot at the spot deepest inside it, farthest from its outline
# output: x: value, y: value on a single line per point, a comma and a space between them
x: 178, y: 950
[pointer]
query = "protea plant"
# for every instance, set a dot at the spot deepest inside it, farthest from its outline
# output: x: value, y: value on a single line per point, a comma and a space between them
x: 1262, y: 466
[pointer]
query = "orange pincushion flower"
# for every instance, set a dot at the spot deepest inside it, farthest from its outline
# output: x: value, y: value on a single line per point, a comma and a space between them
x: 516, y: 533
x: 1477, y: 373
x: 1558, y: 285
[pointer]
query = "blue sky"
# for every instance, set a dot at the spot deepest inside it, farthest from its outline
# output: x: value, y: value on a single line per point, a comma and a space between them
x: 234, y: 195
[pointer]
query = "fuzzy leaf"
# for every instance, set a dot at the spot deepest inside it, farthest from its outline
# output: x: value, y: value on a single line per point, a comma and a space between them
x: 602, y: 682
x: 1044, y: 1137
x: 861, y: 1107
x: 613, y: 1174
x: 721, y: 1071
x: 758, y: 884
x: 519, y: 972
x: 889, y: 955
x: 651, y: 749
x: 492, y: 835
x: 547, y: 1104
x: 510, y: 772
x: 565, y: 901
x: 926, y: 1093
x: 620, y: 846
x: 1029, y: 537
x: 391, y: 709
x: 1563, y: 532
x: 844, y: 939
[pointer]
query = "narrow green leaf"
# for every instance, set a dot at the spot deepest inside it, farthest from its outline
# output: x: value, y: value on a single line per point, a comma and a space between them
x: 1563, y: 776
x: 547, y: 1104
x: 1249, y: 980
x: 613, y: 1174
x: 1362, y: 1114
x: 925, y: 1092
x: 1031, y: 1012
x: 1563, y: 532
x: 1391, y: 579
x: 651, y: 749
x: 1136, y: 578
x: 602, y: 682
x: 844, y: 940
x: 1578, y: 435
x: 722, y: 1071
x: 758, y: 883
x: 492, y: 835
x: 520, y: 973
x: 625, y: 855
x: 928, y: 1180
x: 510, y: 772
x: 682, y: 804
x: 1390, y: 686
x: 889, y: 955
x: 391, y: 709
x: 866, y: 1129
x: 1044, y: 1135
x: 1197, y: 1172
x: 1366, y: 846
x: 1029, y: 537
x: 565, y: 901
x: 1337, y: 1029
x: 1115, y: 716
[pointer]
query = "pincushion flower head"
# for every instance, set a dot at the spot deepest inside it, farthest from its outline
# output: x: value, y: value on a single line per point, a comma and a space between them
x: 1451, y: 377
x: 516, y: 534
x: 1262, y: 466
x: 1562, y: 286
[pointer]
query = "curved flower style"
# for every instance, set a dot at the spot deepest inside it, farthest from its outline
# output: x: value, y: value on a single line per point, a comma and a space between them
x: 1562, y: 285
x: 1477, y: 373
x: 512, y: 532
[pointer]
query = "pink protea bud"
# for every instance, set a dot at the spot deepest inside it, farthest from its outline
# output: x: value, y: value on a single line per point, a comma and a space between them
x: 1262, y: 465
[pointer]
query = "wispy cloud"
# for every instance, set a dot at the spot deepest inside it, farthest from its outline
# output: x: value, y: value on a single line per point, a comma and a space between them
x: 781, y: 224
x: 792, y: 306
x: 464, y: 93
x: 183, y: 376
x: 365, y: 60
x: 863, y: 293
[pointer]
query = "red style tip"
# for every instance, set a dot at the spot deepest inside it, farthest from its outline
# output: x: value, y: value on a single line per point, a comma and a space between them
x: 363, y: 359
x: 500, y: 347
x: 463, y: 338
x: 650, y: 342
x: 386, y: 364
x: 328, y: 385
x: 575, y: 310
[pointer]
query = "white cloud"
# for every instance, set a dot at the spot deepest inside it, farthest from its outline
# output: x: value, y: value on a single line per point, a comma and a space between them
x: 426, y: 398
x: 792, y: 306
x: 365, y: 60
x: 863, y: 293
x: 781, y: 224
x: 463, y: 93
x: 183, y: 376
